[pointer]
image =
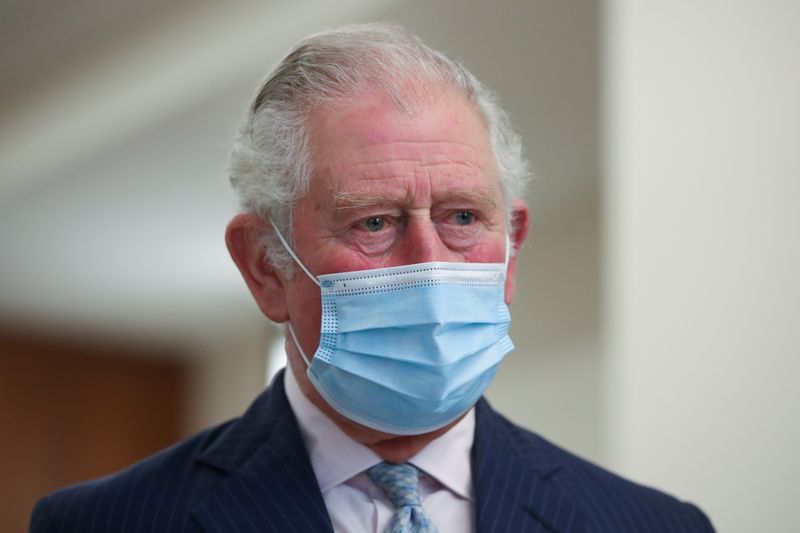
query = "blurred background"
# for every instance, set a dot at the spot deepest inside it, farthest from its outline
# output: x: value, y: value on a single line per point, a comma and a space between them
x: 656, y: 320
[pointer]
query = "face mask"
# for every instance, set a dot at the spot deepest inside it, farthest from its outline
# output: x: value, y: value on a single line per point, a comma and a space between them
x: 407, y: 350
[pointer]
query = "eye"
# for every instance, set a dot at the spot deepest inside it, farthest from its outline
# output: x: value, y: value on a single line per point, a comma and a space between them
x: 464, y: 218
x: 374, y: 224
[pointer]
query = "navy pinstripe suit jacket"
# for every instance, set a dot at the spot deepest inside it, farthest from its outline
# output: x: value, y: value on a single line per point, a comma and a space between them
x: 253, y: 474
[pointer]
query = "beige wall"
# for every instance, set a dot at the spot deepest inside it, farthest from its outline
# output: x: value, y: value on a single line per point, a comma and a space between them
x: 703, y: 228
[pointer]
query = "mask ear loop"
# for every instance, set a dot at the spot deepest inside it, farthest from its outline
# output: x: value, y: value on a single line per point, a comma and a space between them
x: 291, y: 252
x: 308, y: 273
x: 508, y: 250
x: 297, y: 344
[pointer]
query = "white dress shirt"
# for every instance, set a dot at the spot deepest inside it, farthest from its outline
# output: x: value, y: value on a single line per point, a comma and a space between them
x: 354, y: 503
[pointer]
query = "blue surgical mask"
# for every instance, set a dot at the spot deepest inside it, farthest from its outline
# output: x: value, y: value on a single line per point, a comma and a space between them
x: 407, y: 350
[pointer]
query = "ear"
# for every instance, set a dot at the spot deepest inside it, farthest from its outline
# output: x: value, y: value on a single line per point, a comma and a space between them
x: 247, y: 250
x: 520, y: 221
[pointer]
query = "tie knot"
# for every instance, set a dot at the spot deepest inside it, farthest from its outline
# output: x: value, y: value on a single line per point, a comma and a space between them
x: 400, y: 483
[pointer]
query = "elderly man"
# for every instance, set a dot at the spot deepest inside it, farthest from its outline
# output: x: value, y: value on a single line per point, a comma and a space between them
x: 380, y: 183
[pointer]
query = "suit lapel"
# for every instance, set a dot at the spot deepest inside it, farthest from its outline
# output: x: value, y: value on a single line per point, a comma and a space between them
x: 270, y: 485
x: 514, y: 489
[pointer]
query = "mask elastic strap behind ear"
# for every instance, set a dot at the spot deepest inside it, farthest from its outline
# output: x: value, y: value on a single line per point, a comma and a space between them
x: 297, y: 344
x: 294, y: 256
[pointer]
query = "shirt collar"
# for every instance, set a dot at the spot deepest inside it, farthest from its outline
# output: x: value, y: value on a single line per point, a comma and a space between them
x: 336, y: 458
x: 447, y: 458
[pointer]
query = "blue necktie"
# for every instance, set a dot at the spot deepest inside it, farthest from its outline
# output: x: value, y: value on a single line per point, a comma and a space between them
x: 400, y: 483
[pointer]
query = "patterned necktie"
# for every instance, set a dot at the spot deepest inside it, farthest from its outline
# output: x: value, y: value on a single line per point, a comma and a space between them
x: 400, y: 483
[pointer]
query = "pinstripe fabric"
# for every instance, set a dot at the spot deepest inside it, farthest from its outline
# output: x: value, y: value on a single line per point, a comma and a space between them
x: 253, y: 474
x: 524, y: 483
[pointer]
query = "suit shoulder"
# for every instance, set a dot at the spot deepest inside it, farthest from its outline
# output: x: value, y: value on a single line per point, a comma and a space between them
x: 611, y: 501
x: 159, y: 489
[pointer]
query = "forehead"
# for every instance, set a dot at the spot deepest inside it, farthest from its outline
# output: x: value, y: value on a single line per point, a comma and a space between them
x: 370, y: 144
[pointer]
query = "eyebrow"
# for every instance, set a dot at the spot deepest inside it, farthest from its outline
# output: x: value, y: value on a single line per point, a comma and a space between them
x: 360, y: 200
x: 357, y: 200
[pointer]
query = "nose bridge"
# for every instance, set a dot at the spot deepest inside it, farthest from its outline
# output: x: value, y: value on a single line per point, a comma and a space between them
x: 422, y: 242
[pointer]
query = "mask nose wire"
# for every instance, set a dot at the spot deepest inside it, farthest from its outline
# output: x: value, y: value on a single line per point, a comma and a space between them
x: 291, y: 252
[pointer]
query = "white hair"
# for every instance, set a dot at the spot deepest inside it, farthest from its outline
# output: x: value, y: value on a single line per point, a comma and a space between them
x: 270, y: 165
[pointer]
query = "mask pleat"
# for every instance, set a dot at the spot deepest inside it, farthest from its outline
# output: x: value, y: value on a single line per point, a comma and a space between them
x: 408, y: 349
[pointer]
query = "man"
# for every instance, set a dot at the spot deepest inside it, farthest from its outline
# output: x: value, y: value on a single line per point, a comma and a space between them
x: 380, y: 183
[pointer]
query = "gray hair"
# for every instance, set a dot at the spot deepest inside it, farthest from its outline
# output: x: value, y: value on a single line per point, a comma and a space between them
x: 270, y: 166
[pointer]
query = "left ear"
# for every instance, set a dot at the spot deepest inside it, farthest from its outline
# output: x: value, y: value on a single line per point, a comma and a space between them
x: 520, y: 221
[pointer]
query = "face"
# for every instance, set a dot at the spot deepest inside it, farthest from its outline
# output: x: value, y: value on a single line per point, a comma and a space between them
x: 391, y: 188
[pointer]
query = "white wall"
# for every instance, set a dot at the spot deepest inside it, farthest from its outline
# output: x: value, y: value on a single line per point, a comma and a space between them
x: 703, y: 299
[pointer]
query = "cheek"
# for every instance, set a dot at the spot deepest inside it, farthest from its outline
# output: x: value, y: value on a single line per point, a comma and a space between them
x: 487, y: 252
